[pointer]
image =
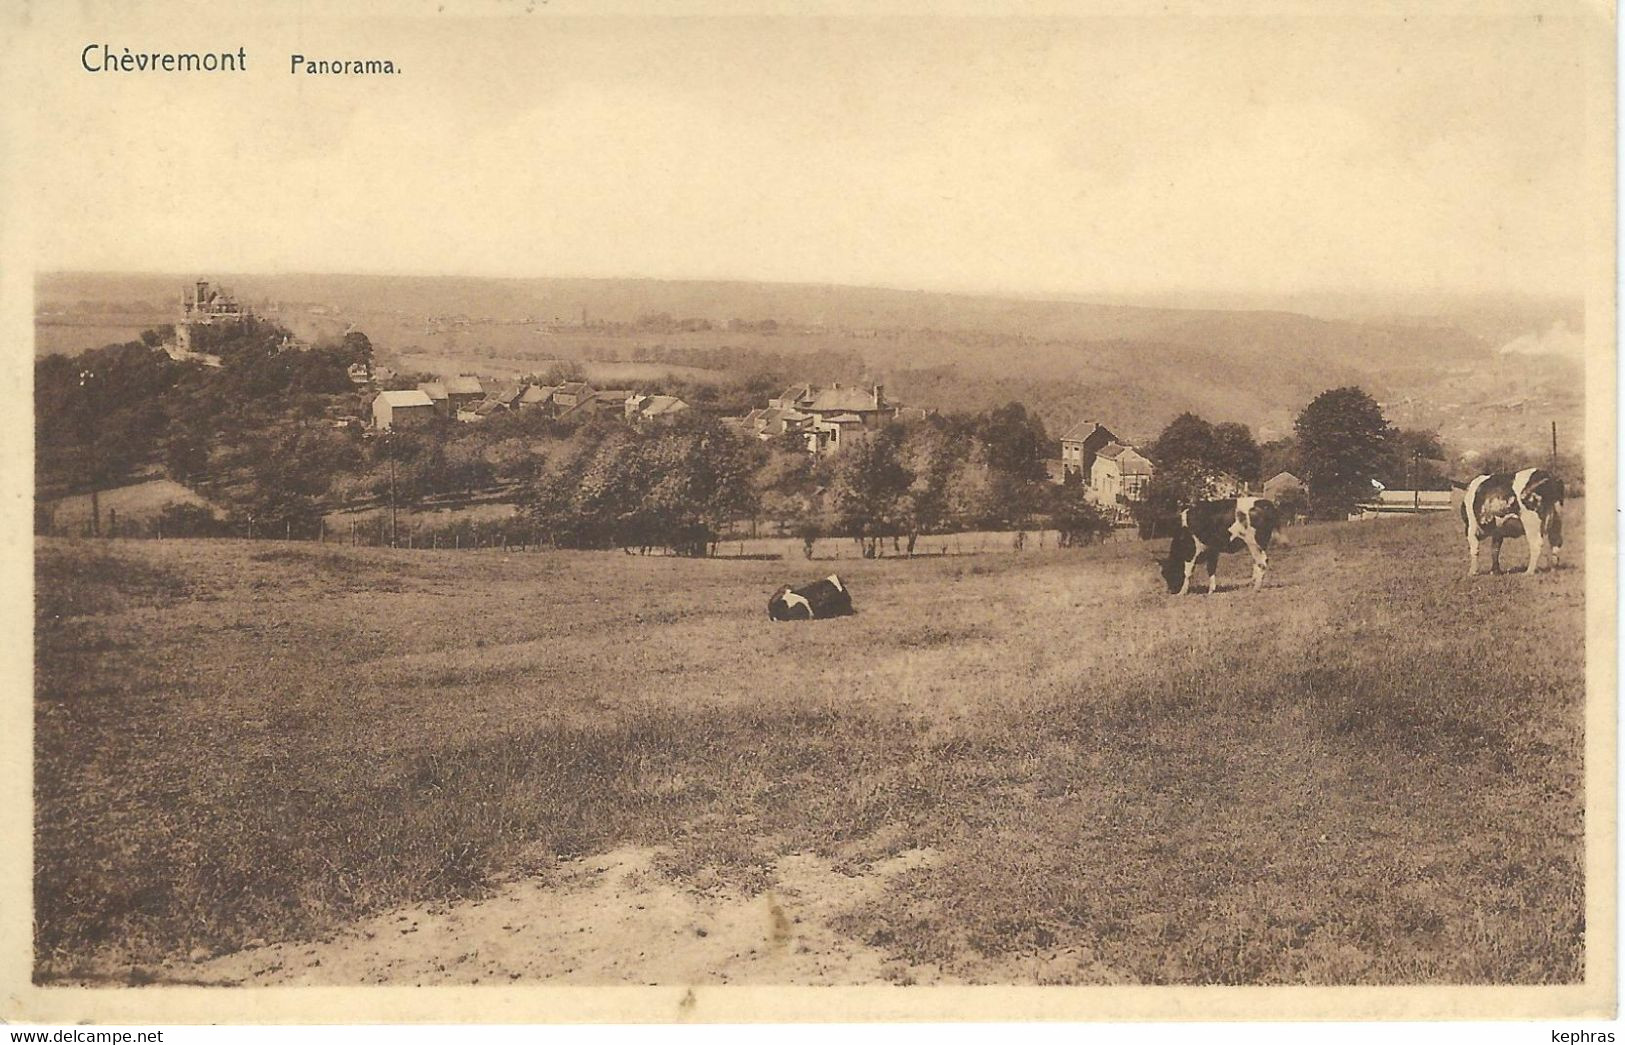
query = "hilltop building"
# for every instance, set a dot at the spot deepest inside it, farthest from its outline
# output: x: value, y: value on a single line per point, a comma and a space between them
x: 205, y: 306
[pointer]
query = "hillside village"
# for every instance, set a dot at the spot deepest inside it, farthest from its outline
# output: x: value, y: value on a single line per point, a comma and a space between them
x: 1113, y: 474
x: 224, y: 408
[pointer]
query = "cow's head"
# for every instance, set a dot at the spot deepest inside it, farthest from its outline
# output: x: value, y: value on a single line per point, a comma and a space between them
x: 1544, y: 497
x: 1265, y: 519
x: 1542, y: 492
x: 777, y: 608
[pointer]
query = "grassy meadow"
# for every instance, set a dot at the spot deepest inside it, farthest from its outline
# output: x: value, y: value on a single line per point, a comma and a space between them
x: 1370, y: 772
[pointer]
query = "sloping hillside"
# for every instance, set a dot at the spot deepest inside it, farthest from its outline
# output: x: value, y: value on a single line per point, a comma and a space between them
x: 1030, y: 767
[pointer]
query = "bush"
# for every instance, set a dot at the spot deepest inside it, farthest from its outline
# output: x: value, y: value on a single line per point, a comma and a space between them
x: 177, y: 519
x: 1079, y: 520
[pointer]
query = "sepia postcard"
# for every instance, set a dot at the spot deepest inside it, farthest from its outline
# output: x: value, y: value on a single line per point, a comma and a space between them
x: 546, y: 511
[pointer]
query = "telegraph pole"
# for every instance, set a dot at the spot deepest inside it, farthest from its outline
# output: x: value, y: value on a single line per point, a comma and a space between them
x: 1553, y: 464
x: 87, y: 436
x: 390, y: 445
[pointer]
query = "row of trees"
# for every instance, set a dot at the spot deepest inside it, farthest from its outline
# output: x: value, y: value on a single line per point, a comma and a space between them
x: 1341, y: 447
x: 681, y: 486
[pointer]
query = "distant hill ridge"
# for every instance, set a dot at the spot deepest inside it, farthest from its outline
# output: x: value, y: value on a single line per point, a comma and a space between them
x: 624, y: 300
x: 1141, y: 362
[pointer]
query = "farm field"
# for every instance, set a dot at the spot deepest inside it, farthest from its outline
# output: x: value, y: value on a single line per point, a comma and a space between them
x: 603, y: 374
x: 288, y: 762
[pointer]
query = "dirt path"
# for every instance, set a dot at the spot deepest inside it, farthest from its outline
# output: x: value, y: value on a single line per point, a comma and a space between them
x: 608, y: 919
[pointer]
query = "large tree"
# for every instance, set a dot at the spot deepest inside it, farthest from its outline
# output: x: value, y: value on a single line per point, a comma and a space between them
x: 1236, y: 452
x: 1016, y: 443
x: 1344, y: 439
x: 1190, y: 452
x: 870, y: 490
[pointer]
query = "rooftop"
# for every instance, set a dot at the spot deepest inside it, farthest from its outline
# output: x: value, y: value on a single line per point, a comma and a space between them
x: 406, y: 397
x: 1129, y: 460
x: 843, y: 400
x: 1082, y: 430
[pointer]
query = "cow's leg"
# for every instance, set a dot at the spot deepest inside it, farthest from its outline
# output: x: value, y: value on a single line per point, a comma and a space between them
x: 1472, y: 551
x: 1261, y: 558
x: 1495, y: 552
x: 1532, y: 534
x: 1190, y: 568
x: 1212, y: 564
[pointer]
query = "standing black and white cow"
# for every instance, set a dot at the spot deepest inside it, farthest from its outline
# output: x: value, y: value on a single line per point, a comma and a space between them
x: 826, y: 598
x: 1209, y: 528
x: 1527, y: 504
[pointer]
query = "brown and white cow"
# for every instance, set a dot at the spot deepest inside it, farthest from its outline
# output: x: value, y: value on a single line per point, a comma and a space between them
x: 829, y: 597
x: 1209, y: 528
x: 1527, y: 504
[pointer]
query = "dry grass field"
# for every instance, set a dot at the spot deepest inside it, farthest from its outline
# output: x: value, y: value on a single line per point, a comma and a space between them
x: 1041, y: 768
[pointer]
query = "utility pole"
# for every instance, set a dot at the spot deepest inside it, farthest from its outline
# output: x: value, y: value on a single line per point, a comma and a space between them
x: 392, y: 530
x: 389, y: 447
x: 1416, y: 469
x: 87, y: 436
x: 1553, y: 463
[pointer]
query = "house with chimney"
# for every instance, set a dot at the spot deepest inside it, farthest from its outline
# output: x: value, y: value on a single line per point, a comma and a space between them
x: 840, y: 415
x: 825, y: 419
x: 1080, y: 444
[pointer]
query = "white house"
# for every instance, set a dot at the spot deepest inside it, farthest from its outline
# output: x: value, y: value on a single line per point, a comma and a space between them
x: 407, y: 408
x: 1118, y: 475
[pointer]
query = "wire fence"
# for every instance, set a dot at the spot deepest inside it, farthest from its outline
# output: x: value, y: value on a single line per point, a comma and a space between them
x: 517, y: 534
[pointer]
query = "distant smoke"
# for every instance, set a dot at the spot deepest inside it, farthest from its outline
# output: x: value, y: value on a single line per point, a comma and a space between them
x: 1559, y: 340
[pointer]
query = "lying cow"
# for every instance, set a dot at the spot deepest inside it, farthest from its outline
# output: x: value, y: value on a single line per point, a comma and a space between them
x: 826, y: 598
x: 1527, y: 504
x: 1210, y: 528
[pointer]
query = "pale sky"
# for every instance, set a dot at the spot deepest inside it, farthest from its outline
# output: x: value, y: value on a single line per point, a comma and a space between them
x: 1044, y: 156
